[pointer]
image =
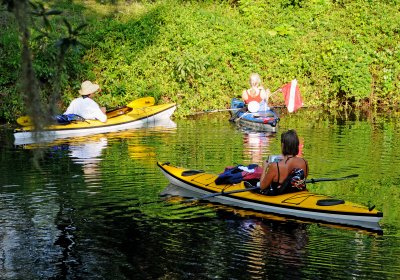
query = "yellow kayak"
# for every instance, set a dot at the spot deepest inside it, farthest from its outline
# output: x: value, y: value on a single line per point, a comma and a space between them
x: 303, y: 204
x: 126, y: 118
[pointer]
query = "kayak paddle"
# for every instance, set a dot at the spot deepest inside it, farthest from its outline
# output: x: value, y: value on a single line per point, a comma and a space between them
x: 312, y: 181
x: 24, y: 121
x: 142, y: 102
x: 135, y: 104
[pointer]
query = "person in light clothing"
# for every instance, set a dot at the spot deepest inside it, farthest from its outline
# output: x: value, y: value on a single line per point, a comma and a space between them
x: 85, y: 106
x: 256, y: 92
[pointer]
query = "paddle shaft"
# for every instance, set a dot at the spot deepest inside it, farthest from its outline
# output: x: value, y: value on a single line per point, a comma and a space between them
x: 312, y: 181
x: 218, y: 110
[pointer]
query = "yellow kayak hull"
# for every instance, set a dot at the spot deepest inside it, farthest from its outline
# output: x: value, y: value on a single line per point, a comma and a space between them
x: 302, y: 204
x: 136, y: 118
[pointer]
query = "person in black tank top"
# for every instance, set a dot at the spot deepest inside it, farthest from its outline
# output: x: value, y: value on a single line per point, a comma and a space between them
x: 290, y: 173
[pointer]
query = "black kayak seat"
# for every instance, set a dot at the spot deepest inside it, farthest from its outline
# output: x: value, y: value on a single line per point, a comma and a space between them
x: 191, y: 172
x: 329, y: 202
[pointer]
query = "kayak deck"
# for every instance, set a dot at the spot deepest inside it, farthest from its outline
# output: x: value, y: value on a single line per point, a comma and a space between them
x: 266, y: 120
x: 302, y: 204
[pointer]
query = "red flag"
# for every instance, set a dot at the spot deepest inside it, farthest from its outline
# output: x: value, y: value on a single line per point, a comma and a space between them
x: 291, y: 94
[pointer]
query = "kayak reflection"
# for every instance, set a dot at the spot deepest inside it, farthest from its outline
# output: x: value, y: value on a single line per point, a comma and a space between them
x: 277, y: 243
x: 88, y: 155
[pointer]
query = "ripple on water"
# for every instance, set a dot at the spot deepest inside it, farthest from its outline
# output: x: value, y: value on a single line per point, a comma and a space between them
x: 77, y: 216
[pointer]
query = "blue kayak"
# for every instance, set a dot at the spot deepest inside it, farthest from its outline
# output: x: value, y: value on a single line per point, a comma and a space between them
x: 264, y: 120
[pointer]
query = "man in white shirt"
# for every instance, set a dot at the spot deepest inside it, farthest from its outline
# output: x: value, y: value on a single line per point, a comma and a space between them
x: 85, y: 106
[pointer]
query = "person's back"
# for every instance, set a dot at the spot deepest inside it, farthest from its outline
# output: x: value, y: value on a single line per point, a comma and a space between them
x: 289, y: 174
x: 85, y: 106
x: 286, y: 166
x: 256, y: 94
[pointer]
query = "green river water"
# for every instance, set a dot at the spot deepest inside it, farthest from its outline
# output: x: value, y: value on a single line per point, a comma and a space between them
x: 91, y: 208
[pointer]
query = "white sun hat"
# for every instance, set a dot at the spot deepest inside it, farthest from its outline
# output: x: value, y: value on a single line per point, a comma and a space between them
x: 88, y: 87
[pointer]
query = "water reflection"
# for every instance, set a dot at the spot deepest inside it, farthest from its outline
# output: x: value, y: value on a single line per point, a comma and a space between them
x: 256, y: 146
x: 271, y: 244
x: 89, y: 156
x: 53, y: 227
x: 86, y: 153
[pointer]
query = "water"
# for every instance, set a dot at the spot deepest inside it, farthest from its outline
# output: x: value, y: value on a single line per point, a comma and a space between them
x: 91, y: 207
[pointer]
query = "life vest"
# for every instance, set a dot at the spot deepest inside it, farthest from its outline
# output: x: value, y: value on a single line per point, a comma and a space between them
x: 294, y: 182
x: 253, y: 98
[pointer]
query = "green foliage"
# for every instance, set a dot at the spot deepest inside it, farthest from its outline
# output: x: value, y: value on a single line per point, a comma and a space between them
x: 10, y: 103
x: 282, y: 30
x: 292, y: 3
x: 200, y: 54
x: 189, y: 69
x: 252, y: 9
x: 41, y: 59
x: 9, y: 55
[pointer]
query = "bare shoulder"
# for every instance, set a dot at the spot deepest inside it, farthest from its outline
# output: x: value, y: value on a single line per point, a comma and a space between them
x: 272, y: 166
x: 300, y: 163
x: 297, y: 162
x: 304, y: 160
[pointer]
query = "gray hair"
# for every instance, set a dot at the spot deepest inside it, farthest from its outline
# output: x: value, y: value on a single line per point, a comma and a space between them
x: 255, y: 80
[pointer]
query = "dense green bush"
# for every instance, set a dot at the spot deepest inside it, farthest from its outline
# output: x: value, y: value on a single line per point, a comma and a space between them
x: 10, y: 101
x: 200, y: 54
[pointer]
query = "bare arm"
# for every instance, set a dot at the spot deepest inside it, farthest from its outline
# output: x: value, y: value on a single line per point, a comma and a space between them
x: 100, y: 113
x: 306, y: 170
x: 269, y: 172
x: 245, y: 96
x: 265, y: 93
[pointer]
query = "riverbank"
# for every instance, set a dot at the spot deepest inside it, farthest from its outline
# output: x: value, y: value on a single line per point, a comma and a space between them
x: 200, y: 55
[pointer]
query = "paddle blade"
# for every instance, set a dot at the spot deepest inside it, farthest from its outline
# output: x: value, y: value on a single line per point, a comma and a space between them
x: 142, y: 102
x: 291, y: 94
x: 351, y: 176
x: 24, y: 121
